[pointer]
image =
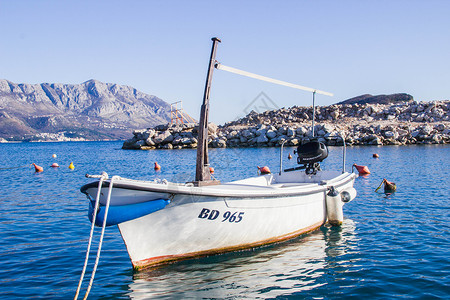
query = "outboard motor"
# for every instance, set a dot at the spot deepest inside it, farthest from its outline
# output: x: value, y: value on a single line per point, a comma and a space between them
x: 310, y: 155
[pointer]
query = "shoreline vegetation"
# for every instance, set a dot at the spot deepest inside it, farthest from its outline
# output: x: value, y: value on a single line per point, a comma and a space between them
x: 400, y: 123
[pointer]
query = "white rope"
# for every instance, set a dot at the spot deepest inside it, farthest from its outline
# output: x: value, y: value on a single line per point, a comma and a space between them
x: 268, y: 79
x: 97, y: 200
x: 108, y: 200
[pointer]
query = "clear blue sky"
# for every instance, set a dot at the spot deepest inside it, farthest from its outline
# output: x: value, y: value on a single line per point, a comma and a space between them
x: 162, y: 48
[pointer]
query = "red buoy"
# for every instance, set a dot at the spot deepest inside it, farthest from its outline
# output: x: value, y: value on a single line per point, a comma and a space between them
x: 54, y: 165
x: 37, y: 168
x: 289, y: 156
x: 157, y: 166
x: 264, y: 170
x: 211, y: 170
x: 375, y: 155
x: 362, y: 170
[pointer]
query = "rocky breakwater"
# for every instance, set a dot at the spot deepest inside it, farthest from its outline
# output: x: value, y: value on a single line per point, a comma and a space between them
x: 399, y: 123
x: 176, y: 136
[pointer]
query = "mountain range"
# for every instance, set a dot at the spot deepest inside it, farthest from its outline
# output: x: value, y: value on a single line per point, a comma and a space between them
x: 92, y: 110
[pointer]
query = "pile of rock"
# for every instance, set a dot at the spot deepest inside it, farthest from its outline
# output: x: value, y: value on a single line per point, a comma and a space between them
x: 360, y: 124
x: 379, y: 134
x: 175, y: 136
x: 411, y: 111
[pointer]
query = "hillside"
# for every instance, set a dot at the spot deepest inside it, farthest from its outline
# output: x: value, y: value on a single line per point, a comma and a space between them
x: 92, y: 110
x: 361, y: 123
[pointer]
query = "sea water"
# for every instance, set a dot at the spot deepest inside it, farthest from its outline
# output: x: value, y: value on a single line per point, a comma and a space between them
x: 389, y: 246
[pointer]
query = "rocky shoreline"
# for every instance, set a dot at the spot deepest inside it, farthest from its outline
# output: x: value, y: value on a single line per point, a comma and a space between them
x: 402, y: 123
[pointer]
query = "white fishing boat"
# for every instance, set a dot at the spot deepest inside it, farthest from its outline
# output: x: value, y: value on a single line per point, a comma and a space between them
x: 162, y: 221
x: 188, y: 221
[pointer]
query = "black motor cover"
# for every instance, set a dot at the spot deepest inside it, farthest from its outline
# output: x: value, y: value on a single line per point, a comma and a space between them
x: 311, y: 152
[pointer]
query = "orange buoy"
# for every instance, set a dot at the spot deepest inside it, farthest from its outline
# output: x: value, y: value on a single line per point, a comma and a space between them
x: 54, y: 155
x: 264, y: 170
x: 211, y: 170
x: 362, y: 170
x: 37, y: 168
x: 289, y: 156
x: 375, y: 155
x: 389, y: 187
x: 157, y: 166
x: 71, y: 166
x: 54, y: 165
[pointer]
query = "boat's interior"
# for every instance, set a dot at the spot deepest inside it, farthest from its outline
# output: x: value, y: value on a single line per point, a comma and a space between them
x: 290, y: 179
x: 310, y: 154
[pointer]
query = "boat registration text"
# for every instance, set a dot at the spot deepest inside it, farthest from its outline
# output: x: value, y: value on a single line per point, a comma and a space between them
x: 212, y: 214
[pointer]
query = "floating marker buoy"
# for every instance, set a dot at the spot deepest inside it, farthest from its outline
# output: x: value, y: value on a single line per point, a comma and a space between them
x: 157, y: 166
x: 264, y: 170
x: 54, y: 155
x: 362, y: 170
x: 375, y: 155
x: 289, y: 156
x: 37, y: 168
x: 54, y: 165
x: 71, y: 166
x: 389, y: 187
x: 211, y: 170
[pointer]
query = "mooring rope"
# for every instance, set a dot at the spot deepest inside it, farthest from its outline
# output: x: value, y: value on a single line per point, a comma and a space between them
x: 102, y: 177
x: 268, y: 79
x: 11, y: 168
x: 97, y: 200
x: 108, y: 200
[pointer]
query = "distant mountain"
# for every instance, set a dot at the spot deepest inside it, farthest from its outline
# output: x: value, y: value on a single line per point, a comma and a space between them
x: 380, y: 99
x: 92, y: 110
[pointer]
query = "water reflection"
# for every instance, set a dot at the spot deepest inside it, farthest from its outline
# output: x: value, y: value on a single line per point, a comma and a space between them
x: 282, y: 269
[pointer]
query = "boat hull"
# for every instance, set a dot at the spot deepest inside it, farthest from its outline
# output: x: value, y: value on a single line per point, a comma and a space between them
x: 209, y: 226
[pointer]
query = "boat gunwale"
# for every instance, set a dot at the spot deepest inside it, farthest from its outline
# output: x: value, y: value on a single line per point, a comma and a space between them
x: 263, y: 192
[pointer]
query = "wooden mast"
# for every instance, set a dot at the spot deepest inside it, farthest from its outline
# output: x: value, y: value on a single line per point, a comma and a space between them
x: 203, y: 175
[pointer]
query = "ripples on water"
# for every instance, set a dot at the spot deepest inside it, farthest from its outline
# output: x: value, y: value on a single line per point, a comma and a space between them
x: 390, y: 246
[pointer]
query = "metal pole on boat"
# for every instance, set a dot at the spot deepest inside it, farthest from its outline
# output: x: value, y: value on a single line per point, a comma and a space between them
x: 202, y: 168
x: 314, y: 113
x: 344, y: 153
x: 281, y: 156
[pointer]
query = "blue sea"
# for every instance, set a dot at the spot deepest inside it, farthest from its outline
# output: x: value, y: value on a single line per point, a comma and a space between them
x: 389, y: 246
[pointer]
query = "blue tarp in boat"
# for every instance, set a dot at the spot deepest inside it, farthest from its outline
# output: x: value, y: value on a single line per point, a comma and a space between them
x: 122, y: 213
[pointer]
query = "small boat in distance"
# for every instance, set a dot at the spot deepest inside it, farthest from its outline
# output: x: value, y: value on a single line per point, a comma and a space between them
x: 162, y: 222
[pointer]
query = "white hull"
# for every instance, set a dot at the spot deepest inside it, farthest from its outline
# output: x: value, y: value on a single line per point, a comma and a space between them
x: 213, y: 219
x: 183, y: 231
